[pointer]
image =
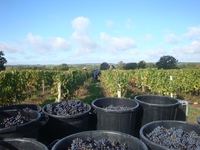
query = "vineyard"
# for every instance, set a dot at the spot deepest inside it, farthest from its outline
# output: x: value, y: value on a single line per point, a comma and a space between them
x: 16, y: 86
x: 154, y: 81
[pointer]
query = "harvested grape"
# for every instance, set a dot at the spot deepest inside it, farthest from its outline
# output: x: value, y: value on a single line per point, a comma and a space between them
x: 67, y: 108
x: 117, y: 107
x: 27, y: 109
x: 102, y: 144
x: 15, y: 121
x: 175, y: 138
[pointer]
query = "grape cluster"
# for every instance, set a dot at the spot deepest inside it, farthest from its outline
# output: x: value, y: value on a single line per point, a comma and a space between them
x: 175, y: 138
x: 102, y: 144
x: 67, y: 108
x: 112, y: 107
x: 27, y: 109
x: 15, y: 121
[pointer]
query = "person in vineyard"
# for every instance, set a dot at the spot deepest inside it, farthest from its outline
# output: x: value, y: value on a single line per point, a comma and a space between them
x: 96, y: 74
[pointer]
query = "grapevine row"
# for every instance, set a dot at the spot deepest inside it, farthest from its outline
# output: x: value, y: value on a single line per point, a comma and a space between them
x: 14, y: 85
x: 156, y: 81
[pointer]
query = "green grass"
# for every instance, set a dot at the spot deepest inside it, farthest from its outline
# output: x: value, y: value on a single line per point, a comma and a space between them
x: 193, y: 114
x: 94, y: 92
x: 48, y: 101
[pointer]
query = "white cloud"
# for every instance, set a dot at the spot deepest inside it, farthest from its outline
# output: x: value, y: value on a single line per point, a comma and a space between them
x: 8, y: 48
x: 59, y: 43
x: 37, y: 44
x: 115, y: 43
x: 154, y: 55
x: 193, y: 33
x: 81, y: 25
x: 82, y: 36
x: 171, y: 38
x: 193, y: 48
x: 34, y: 39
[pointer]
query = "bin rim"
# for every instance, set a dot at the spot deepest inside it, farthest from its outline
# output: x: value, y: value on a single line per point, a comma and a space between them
x: 144, y: 138
x: 158, y: 105
x: 116, y: 111
x: 101, y: 131
x: 67, y: 117
x: 25, y: 140
x: 13, y: 128
x: 9, y: 107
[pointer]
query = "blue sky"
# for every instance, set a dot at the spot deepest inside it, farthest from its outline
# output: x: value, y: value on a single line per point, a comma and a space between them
x: 73, y: 32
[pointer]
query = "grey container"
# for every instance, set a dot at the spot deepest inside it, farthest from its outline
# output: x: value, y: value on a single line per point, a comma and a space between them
x: 117, y: 120
x: 156, y: 107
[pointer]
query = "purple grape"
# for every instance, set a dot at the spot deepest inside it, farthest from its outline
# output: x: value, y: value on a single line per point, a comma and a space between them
x: 117, y: 107
x: 102, y: 144
x: 15, y: 121
x: 175, y: 138
x: 67, y: 108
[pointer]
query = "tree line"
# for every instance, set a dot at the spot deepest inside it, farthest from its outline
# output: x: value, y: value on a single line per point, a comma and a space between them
x: 165, y: 62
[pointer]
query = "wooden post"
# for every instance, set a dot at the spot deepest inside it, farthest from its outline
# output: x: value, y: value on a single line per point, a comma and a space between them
x: 119, y: 92
x: 143, y: 88
x: 43, y: 87
x: 59, y: 91
x: 171, y: 78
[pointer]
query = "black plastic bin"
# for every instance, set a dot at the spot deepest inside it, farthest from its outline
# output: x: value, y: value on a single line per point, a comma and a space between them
x: 131, y: 141
x: 37, y: 133
x: 21, y: 144
x: 117, y: 120
x: 22, y: 106
x: 149, y: 127
x: 29, y: 129
x: 58, y: 127
x: 156, y: 107
x: 92, y: 119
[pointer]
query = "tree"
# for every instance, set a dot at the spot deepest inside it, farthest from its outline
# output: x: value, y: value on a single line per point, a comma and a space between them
x: 130, y: 66
x: 167, y: 62
x: 62, y: 67
x: 2, y: 61
x: 104, y: 66
x: 150, y: 65
x: 120, y: 65
x: 141, y: 64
